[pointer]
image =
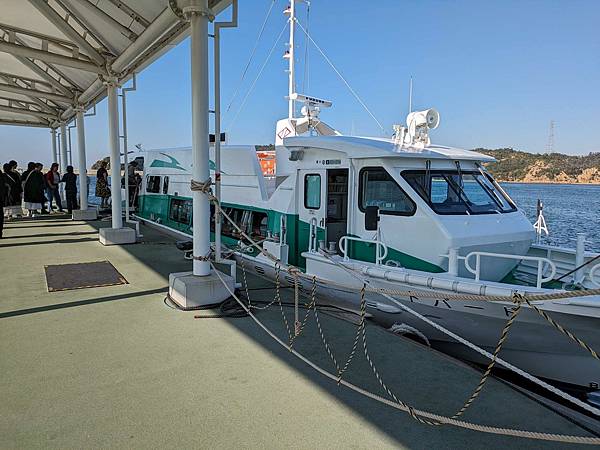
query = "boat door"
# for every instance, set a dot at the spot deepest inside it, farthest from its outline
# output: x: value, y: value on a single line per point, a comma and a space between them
x: 313, y: 204
x: 324, y: 202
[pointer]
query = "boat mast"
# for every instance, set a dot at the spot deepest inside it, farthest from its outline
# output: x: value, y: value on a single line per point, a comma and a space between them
x: 291, y: 58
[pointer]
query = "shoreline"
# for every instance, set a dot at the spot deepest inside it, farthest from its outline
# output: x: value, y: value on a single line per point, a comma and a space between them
x: 548, y: 182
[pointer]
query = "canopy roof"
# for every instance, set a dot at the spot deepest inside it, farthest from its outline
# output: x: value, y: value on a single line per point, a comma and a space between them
x: 56, y: 54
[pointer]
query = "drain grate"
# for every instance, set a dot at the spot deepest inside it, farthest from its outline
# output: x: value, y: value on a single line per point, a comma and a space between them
x: 65, y: 277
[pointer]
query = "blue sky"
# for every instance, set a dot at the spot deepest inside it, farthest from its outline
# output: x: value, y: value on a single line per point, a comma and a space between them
x: 498, y: 72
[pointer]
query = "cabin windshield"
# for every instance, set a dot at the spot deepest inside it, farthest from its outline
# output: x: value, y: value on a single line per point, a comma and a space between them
x: 459, y: 192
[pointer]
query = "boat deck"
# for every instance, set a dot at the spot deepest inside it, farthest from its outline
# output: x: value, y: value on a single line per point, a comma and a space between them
x: 115, y: 367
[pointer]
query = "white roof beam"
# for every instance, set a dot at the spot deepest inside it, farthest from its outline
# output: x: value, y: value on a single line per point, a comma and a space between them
x: 35, y: 93
x: 50, y: 57
x: 60, y: 23
x: 131, y: 35
x: 29, y: 112
x: 37, y: 101
x: 131, y: 13
x: 43, y: 73
x: 25, y: 80
x: 24, y: 123
x: 103, y: 43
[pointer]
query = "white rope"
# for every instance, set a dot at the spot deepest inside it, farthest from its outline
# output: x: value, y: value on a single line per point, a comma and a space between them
x: 407, y: 408
x: 460, y: 339
x: 476, y: 348
x: 260, y: 33
x: 340, y: 75
x: 230, y: 126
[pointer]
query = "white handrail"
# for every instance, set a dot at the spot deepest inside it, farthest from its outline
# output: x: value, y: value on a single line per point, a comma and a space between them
x: 593, y: 274
x: 312, y: 235
x: 379, y: 256
x: 540, y: 279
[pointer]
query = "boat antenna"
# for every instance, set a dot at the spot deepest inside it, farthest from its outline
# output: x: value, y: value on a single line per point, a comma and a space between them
x: 410, y: 89
x: 291, y: 10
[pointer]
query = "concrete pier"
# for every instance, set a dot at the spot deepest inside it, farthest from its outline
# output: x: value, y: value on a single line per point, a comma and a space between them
x: 114, y: 367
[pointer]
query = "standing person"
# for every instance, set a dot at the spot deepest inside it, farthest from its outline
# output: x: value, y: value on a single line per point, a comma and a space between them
x: 70, y: 180
x: 10, y: 186
x: 52, y: 192
x: 40, y: 167
x: 132, y: 182
x: 33, y: 186
x: 16, y: 192
x: 102, y: 189
x: 3, y: 197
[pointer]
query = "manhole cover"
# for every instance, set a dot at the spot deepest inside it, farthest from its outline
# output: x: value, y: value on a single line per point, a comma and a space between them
x: 82, y: 275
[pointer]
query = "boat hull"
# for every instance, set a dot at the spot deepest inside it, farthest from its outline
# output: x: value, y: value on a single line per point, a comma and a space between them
x: 533, y: 344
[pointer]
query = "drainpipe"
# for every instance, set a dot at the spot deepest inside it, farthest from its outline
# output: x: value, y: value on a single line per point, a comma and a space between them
x: 124, y: 136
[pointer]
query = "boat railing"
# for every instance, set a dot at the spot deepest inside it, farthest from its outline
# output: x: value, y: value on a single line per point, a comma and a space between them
x: 381, y: 250
x: 541, y: 264
x: 593, y: 275
x: 312, y: 235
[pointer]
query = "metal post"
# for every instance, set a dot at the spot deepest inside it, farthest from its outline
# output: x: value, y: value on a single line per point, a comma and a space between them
x: 63, y: 147
x: 579, y: 257
x: 83, y: 187
x: 291, y: 68
x: 200, y: 148
x: 54, y: 147
x: 217, y: 87
x: 453, y: 261
x: 115, y: 154
x: 63, y: 156
x: 70, y: 152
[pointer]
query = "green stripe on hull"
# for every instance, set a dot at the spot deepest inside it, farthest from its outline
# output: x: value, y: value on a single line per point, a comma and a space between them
x: 156, y: 208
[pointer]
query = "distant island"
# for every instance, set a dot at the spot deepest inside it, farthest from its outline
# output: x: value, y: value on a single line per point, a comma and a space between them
x: 523, y: 167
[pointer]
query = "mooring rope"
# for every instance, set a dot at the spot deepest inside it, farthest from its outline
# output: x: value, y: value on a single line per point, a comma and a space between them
x: 296, y: 272
x: 413, y: 411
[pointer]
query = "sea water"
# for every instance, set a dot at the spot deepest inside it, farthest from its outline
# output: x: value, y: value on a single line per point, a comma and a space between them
x: 568, y: 208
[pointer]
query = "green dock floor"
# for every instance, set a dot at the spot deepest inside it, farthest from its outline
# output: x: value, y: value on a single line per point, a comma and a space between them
x: 114, y: 367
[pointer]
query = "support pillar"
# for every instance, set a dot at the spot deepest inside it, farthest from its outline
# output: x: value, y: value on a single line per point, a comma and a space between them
x: 115, y: 155
x: 202, y: 287
x: 54, y: 147
x: 63, y: 157
x: 83, y: 213
x: 200, y: 146
x: 63, y: 148
x: 117, y: 234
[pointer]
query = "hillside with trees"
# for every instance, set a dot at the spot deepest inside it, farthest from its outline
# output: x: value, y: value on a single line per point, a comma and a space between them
x: 515, y: 165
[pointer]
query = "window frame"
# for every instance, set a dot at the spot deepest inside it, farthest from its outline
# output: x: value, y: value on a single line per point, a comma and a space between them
x: 165, y: 185
x: 148, y: 184
x: 306, y: 189
x: 460, y: 193
x: 362, y: 209
x: 183, y: 201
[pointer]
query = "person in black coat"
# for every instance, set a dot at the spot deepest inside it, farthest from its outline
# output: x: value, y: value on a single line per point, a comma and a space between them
x: 70, y: 180
x: 17, y: 188
x: 33, y: 190
x: 3, y: 194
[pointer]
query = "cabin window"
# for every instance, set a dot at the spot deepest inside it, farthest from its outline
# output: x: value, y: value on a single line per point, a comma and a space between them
x: 259, y: 222
x: 253, y: 223
x: 165, y: 189
x: 312, y: 191
x: 180, y: 211
x: 377, y: 188
x: 153, y: 184
x: 459, y: 192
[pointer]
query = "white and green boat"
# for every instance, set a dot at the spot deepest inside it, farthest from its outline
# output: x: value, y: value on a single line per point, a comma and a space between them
x: 402, y: 213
